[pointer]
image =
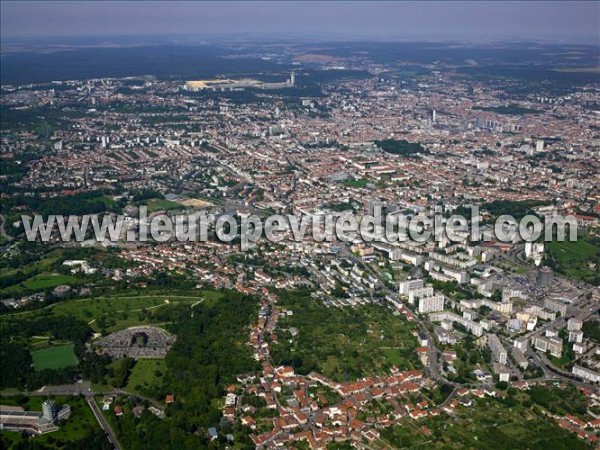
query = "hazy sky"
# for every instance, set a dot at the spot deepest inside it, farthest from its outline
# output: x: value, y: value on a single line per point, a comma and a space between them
x: 471, y: 21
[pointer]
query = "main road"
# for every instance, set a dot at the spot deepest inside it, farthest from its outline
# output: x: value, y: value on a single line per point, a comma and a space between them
x: 91, y: 401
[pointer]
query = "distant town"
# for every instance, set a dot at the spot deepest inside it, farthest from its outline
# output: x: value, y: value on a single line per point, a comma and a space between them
x: 306, y: 344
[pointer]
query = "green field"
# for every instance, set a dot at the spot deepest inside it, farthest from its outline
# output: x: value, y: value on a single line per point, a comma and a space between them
x: 343, y: 343
x: 39, y: 283
x: 55, y: 357
x: 356, y: 183
x: 146, y: 373
x: 116, y: 313
x: 39, y: 274
x: 158, y: 204
x: 113, y: 313
x: 51, y: 280
x: 579, y: 259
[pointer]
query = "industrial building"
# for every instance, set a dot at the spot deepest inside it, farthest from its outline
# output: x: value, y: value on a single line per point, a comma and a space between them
x: 15, y: 418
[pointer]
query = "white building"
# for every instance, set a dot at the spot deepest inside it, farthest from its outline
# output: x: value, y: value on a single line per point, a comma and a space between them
x: 521, y: 344
x: 553, y: 345
x: 419, y: 293
x: 586, y: 374
x: 470, y: 325
x: 431, y: 304
x: 576, y: 336
x: 502, y: 371
x: 556, y: 306
x: 574, y: 324
x: 410, y: 285
x: 498, y: 350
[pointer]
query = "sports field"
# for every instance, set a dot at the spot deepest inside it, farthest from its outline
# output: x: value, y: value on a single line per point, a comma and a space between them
x: 54, y: 357
x: 161, y: 204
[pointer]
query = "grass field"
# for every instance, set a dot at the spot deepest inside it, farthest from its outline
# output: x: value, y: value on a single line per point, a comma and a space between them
x: 158, y: 204
x: 146, y: 372
x: 511, y: 266
x: 126, y: 311
x: 577, y: 259
x: 55, y: 357
x: 113, y: 313
x: 356, y: 183
x: 40, y: 282
x: 580, y: 250
x: 40, y: 274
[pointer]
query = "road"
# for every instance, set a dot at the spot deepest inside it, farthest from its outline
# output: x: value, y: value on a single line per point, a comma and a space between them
x: 103, y: 423
x: 66, y: 390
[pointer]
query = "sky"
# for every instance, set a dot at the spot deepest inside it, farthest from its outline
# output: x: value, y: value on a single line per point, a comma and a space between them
x: 469, y: 21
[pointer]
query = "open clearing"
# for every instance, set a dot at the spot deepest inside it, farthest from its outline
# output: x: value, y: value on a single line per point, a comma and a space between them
x: 195, y: 203
x: 114, y: 313
x: 40, y: 282
x: 146, y: 372
x: 54, y: 357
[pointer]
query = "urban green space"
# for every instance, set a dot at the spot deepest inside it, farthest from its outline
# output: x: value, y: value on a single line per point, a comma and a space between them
x: 489, y: 424
x: 114, y: 312
x: 146, y: 375
x: 160, y: 204
x: 55, y: 357
x: 577, y: 259
x: 345, y: 343
x: 518, y: 419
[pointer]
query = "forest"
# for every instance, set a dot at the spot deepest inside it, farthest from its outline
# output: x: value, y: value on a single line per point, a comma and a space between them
x: 209, y: 352
x: 401, y: 147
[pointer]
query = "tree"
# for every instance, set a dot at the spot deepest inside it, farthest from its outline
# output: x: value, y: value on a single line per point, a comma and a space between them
x: 502, y: 385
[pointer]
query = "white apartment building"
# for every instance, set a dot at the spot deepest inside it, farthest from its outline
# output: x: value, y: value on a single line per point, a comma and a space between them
x: 586, y: 374
x: 498, y: 350
x: 431, y: 304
